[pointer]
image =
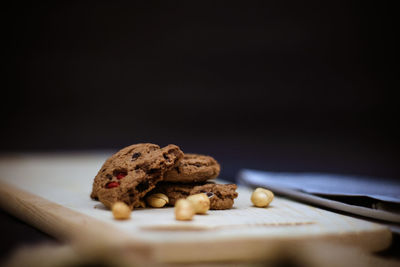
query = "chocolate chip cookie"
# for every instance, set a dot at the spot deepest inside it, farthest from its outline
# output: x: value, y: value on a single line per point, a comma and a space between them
x: 132, y: 172
x: 193, y: 168
x: 221, y: 195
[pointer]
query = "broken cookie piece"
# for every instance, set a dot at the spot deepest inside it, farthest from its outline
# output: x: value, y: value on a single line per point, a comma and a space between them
x: 132, y: 172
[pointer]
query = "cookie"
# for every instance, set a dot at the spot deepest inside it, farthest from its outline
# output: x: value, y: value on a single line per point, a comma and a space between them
x: 221, y: 195
x: 193, y: 168
x: 132, y: 172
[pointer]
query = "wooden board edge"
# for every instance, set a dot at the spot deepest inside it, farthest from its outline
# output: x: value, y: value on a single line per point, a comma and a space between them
x: 74, y: 228
x: 263, y: 249
x: 79, y: 229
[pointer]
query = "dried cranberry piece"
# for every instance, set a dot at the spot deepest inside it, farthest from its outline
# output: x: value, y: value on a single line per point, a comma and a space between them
x: 121, y: 175
x: 112, y: 184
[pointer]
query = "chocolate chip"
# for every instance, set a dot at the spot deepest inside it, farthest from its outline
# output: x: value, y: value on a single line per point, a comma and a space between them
x: 109, y: 176
x: 195, y: 164
x: 166, y: 156
x: 209, y: 194
x: 136, y: 155
x: 152, y: 171
x: 142, y: 186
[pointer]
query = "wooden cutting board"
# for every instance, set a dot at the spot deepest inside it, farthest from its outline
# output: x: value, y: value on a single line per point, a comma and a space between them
x: 51, y: 192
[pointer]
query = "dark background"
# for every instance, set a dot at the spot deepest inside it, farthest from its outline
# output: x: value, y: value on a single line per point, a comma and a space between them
x: 273, y: 85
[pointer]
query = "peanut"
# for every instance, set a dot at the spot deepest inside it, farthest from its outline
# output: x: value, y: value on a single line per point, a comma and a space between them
x: 184, y: 210
x: 157, y: 200
x: 262, y: 197
x: 121, y: 211
x: 200, y: 203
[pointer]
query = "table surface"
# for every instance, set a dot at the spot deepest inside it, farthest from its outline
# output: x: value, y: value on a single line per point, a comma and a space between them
x: 20, y: 233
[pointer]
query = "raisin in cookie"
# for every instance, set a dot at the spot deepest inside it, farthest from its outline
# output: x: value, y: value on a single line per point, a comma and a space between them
x: 132, y: 172
x: 221, y: 195
x: 193, y: 168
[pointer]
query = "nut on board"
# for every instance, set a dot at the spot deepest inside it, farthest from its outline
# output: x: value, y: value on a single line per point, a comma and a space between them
x: 121, y: 211
x: 157, y: 200
x: 262, y: 197
x: 200, y: 203
x: 184, y: 210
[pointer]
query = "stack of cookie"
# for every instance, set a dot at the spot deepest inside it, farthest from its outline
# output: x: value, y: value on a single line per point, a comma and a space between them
x: 191, y: 176
x: 141, y: 169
